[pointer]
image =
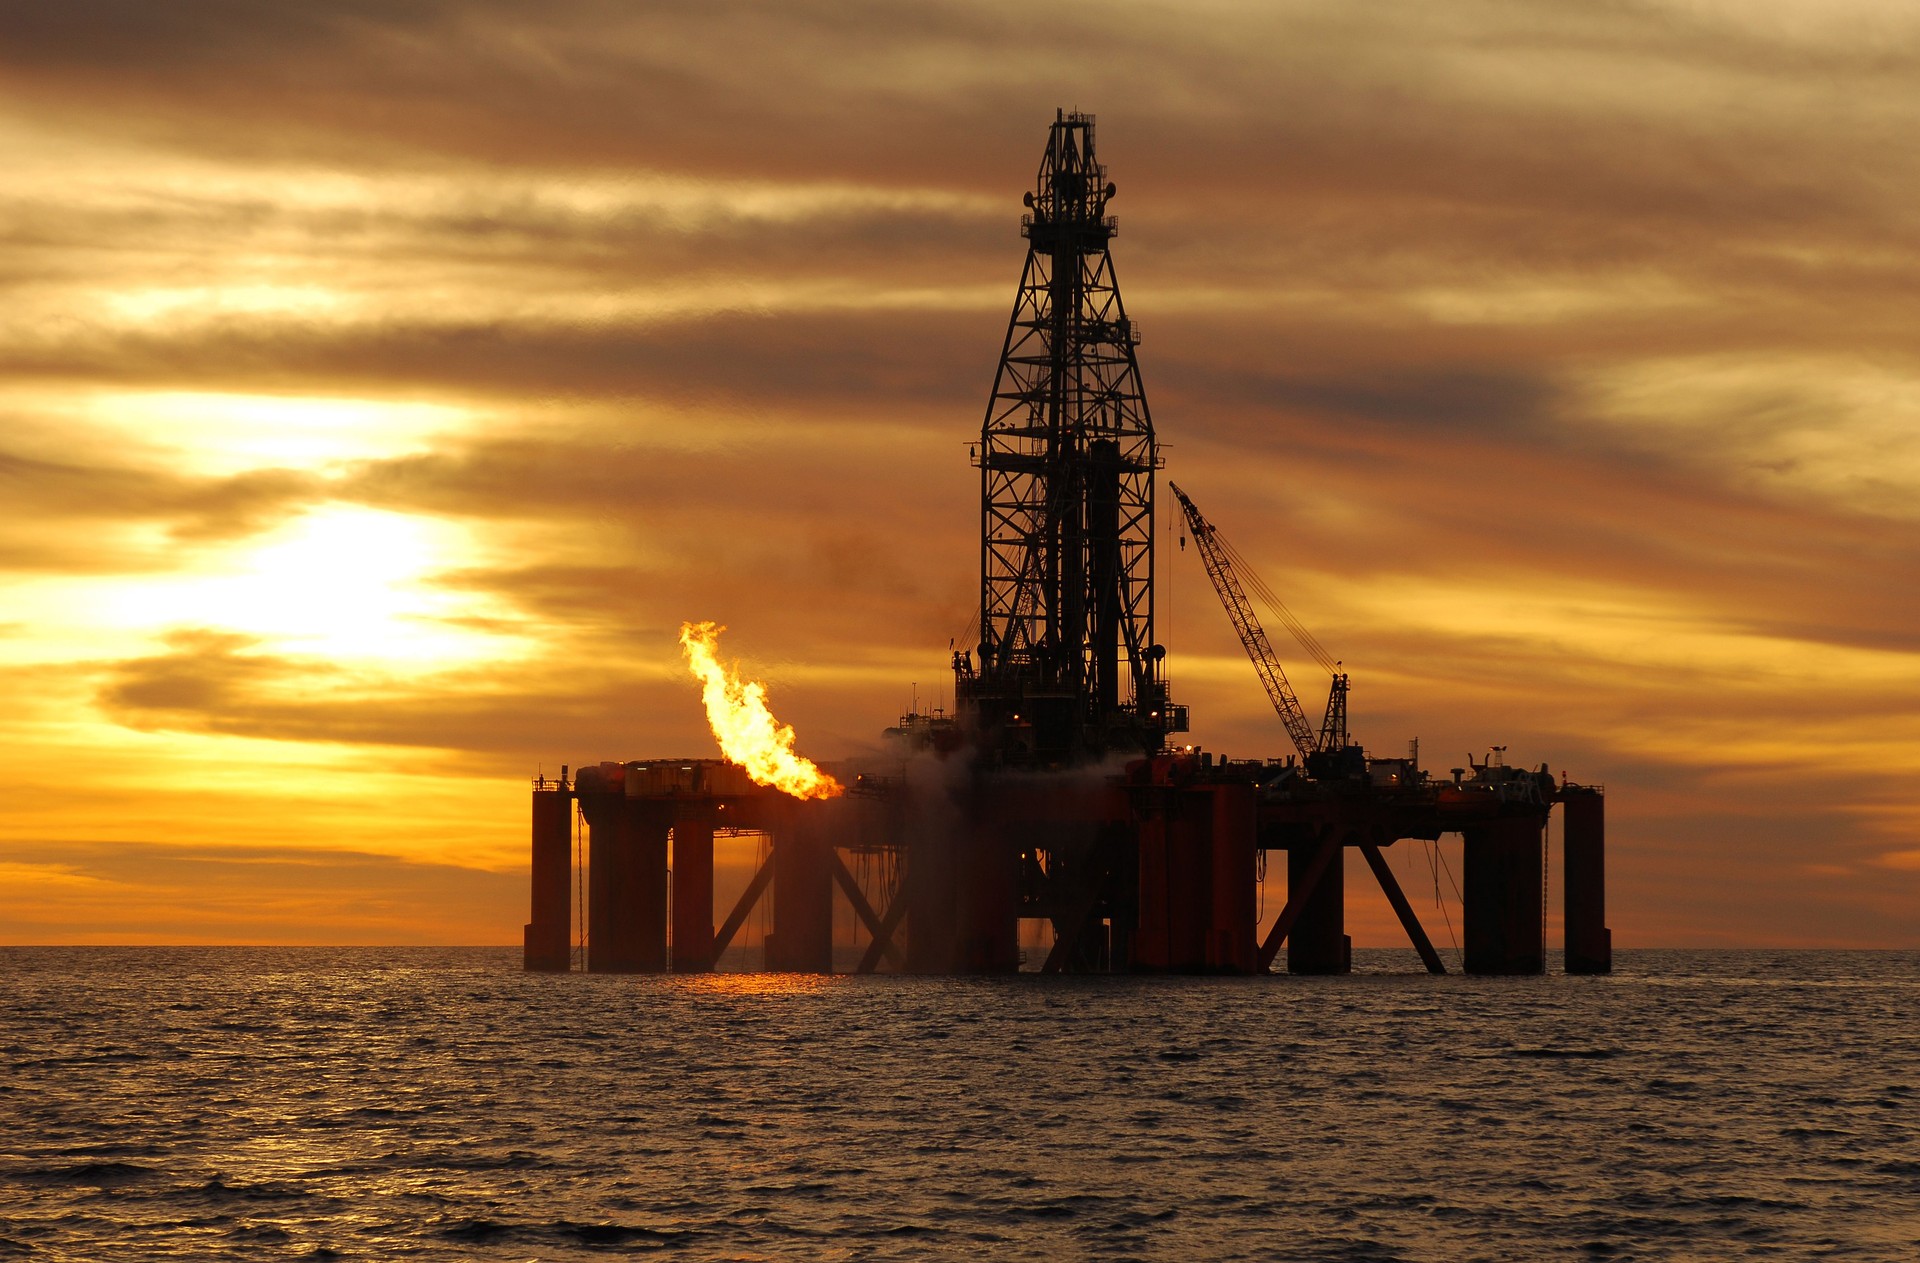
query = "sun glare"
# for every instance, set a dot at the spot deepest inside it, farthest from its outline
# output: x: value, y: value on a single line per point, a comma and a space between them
x: 160, y: 302
x: 345, y: 583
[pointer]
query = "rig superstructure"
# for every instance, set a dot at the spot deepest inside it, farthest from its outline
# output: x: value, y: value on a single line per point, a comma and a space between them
x: 1069, y: 670
x: 1051, y: 794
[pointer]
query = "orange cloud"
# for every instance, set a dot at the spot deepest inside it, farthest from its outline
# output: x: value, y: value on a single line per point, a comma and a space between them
x: 1572, y: 417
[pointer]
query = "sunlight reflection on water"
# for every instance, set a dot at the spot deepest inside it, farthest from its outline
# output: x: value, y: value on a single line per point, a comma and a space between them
x: 438, y: 1103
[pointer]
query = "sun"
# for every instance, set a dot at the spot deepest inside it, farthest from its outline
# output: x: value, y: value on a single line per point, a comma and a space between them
x: 341, y: 582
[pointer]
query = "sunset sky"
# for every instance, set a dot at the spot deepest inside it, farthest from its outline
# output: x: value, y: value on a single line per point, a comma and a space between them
x: 383, y: 384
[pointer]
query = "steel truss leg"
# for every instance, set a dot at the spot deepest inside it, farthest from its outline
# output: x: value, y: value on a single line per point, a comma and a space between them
x: 738, y: 917
x: 883, y: 935
x: 1297, y: 903
x: 864, y: 910
x: 1402, y: 909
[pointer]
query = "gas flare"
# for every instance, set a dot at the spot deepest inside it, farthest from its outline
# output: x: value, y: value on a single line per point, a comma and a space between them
x: 747, y: 731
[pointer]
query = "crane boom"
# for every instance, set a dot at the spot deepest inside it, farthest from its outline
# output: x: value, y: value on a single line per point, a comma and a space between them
x: 1246, y: 623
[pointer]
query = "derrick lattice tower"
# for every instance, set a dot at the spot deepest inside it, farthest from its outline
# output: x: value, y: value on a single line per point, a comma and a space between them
x: 1068, y: 668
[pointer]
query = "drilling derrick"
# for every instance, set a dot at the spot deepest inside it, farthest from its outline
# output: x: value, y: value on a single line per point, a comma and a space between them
x: 1068, y: 669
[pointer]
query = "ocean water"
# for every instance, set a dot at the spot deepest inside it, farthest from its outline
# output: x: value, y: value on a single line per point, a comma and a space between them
x: 241, y: 1103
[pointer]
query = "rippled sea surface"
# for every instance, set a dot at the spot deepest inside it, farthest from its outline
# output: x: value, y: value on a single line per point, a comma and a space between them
x: 371, y: 1104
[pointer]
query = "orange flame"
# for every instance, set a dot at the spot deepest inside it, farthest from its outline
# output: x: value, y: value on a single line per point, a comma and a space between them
x: 747, y: 731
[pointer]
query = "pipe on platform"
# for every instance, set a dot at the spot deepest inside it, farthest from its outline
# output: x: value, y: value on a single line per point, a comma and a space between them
x: 547, y: 939
x: 1584, y: 882
x: 1503, y: 890
x: 1090, y: 906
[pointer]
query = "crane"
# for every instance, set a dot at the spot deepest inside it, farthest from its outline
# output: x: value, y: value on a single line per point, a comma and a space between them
x: 1225, y: 567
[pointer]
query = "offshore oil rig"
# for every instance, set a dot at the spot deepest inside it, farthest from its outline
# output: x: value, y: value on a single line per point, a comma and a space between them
x: 1052, y: 792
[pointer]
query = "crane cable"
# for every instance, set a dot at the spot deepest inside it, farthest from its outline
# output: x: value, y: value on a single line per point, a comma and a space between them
x: 1252, y: 580
x: 1437, y: 859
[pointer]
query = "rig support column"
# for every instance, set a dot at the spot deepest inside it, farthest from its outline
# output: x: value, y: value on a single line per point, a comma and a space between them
x: 1317, y: 944
x: 692, y: 947
x: 607, y: 863
x: 1584, y: 880
x: 546, y: 944
x: 626, y: 887
x: 1150, y: 945
x: 1176, y: 885
x: 1189, y: 879
x: 1504, y: 896
x: 1230, y: 940
x: 990, y: 915
x: 932, y: 912
x: 802, y: 937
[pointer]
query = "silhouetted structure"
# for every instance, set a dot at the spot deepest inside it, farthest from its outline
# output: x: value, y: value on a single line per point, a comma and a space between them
x: 1051, y: 794
x: 1069, y: 669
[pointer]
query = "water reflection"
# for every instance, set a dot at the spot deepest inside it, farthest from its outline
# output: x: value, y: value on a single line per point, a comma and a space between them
x: 235, y: 1103
x: 759, y: 984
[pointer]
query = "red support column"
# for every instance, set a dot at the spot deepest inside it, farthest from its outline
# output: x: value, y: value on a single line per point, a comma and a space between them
x: 990, y: 893
x: 649, y: 824
x: 1317, y: 944
x: 1190, y: 881
x: 1176, y: 884
x: 606, y: 861
x: 802, y: 937
x: 627, y: 885
x: 1152, y: 932
x: 546, y: 945
x: 692, y: 948
x: 1584, y: 881
x: 1230, y: 938
x: 928, y: 881
x: 1503, y: 893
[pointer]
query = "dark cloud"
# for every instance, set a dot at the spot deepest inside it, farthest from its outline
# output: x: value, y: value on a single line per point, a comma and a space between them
x: 1899, y: 634
x: 528, y: 238
x: 72, y: 518
x: 585, y: 699
x: 44, y: 486
x: 948, y: 94
x: 1456, y: 401
x: 851, y: 544
x: 582, y: 82
x: 1372, y: 498
x: 857, y: 360
x: 217, y: 682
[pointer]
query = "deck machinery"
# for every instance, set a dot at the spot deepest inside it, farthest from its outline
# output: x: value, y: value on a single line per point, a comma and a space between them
x: 1051, y: 793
